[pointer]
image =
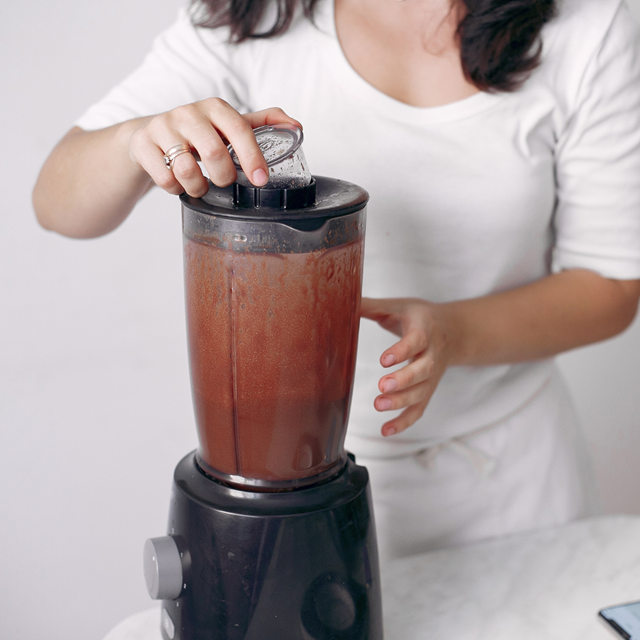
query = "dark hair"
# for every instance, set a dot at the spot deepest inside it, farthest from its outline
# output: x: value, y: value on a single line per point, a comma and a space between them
x: 499, y: 39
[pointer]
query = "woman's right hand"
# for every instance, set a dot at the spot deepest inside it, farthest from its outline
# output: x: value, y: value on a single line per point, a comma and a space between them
x: 206, y: 127
x: 92, y: 179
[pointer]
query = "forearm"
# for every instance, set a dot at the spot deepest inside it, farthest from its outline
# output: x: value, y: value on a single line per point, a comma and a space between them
x: 89, y: 184
x: 555, y: 314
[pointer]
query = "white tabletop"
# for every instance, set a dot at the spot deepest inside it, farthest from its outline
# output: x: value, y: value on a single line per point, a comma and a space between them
x: 545, y: 585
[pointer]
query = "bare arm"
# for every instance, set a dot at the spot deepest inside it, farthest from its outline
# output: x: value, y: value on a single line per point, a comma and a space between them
x: 93, y: 179
x: 88, y: 185
x: 560, y: 312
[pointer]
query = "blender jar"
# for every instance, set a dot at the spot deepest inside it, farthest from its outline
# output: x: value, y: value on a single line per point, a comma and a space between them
x: 273, y: 285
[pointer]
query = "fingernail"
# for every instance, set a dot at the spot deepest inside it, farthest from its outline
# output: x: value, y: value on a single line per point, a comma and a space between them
x: 390, y: 384
x: 383, y: 404
x: 389, y: 431
x: 389, y: 360
x: 259, y: 177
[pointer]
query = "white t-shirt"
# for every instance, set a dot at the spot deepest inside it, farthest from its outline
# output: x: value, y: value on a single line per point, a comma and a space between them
x: 469, y: 198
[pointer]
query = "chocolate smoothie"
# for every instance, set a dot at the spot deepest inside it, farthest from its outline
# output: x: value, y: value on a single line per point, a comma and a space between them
x: 272, y: 343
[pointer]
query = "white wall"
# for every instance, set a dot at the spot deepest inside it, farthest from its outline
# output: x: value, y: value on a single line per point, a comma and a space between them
x: 95, y: 408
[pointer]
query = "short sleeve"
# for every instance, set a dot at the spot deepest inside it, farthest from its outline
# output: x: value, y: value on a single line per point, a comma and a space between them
x: 185, y: 64
x: 597, y: 220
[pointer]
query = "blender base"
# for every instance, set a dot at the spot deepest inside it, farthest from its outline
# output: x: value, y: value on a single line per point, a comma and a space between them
x: 296, y: 565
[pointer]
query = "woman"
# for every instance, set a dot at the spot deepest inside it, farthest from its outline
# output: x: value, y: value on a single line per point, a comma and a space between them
x: 500, y: 142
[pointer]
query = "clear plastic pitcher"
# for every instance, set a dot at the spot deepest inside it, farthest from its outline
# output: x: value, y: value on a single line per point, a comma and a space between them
x: 273, y: 285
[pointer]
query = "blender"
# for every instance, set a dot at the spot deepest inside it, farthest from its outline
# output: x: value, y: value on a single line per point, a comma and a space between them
x: 271, y: 533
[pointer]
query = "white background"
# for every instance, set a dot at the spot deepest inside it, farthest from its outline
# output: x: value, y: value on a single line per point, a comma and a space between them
x: 95, y: 407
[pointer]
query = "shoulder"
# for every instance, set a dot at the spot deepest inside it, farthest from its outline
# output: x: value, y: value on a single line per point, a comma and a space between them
x: 585, y: 38
x: 185, y: 40
x: 581, y: 26
x: 593, y: 14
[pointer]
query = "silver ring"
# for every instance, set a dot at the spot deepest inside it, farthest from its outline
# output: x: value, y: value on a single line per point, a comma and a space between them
x: 172, y: 153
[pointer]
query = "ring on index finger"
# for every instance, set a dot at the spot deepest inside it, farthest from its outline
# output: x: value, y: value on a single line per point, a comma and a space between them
x: 172, y: 153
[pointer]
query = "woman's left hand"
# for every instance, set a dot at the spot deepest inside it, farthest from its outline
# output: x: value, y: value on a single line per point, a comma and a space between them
x: 559, y: 312
x: 424, y: 345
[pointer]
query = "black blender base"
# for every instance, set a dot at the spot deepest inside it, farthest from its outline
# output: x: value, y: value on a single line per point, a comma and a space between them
x: 298, y: 565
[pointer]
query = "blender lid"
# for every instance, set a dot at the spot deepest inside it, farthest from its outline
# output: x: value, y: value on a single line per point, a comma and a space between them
x: 277, y: 143
x: 332, y: 198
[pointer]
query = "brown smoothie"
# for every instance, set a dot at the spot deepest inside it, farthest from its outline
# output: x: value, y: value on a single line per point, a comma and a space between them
x: 272, y: 344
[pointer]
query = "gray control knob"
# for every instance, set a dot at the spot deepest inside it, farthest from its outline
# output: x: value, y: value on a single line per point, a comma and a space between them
x: 162, y: 568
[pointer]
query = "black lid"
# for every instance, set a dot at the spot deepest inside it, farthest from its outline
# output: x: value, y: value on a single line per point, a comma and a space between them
x: 324, y: 198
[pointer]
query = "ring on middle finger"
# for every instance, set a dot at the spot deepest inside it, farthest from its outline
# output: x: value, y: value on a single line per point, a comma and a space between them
x: 172, y: 153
